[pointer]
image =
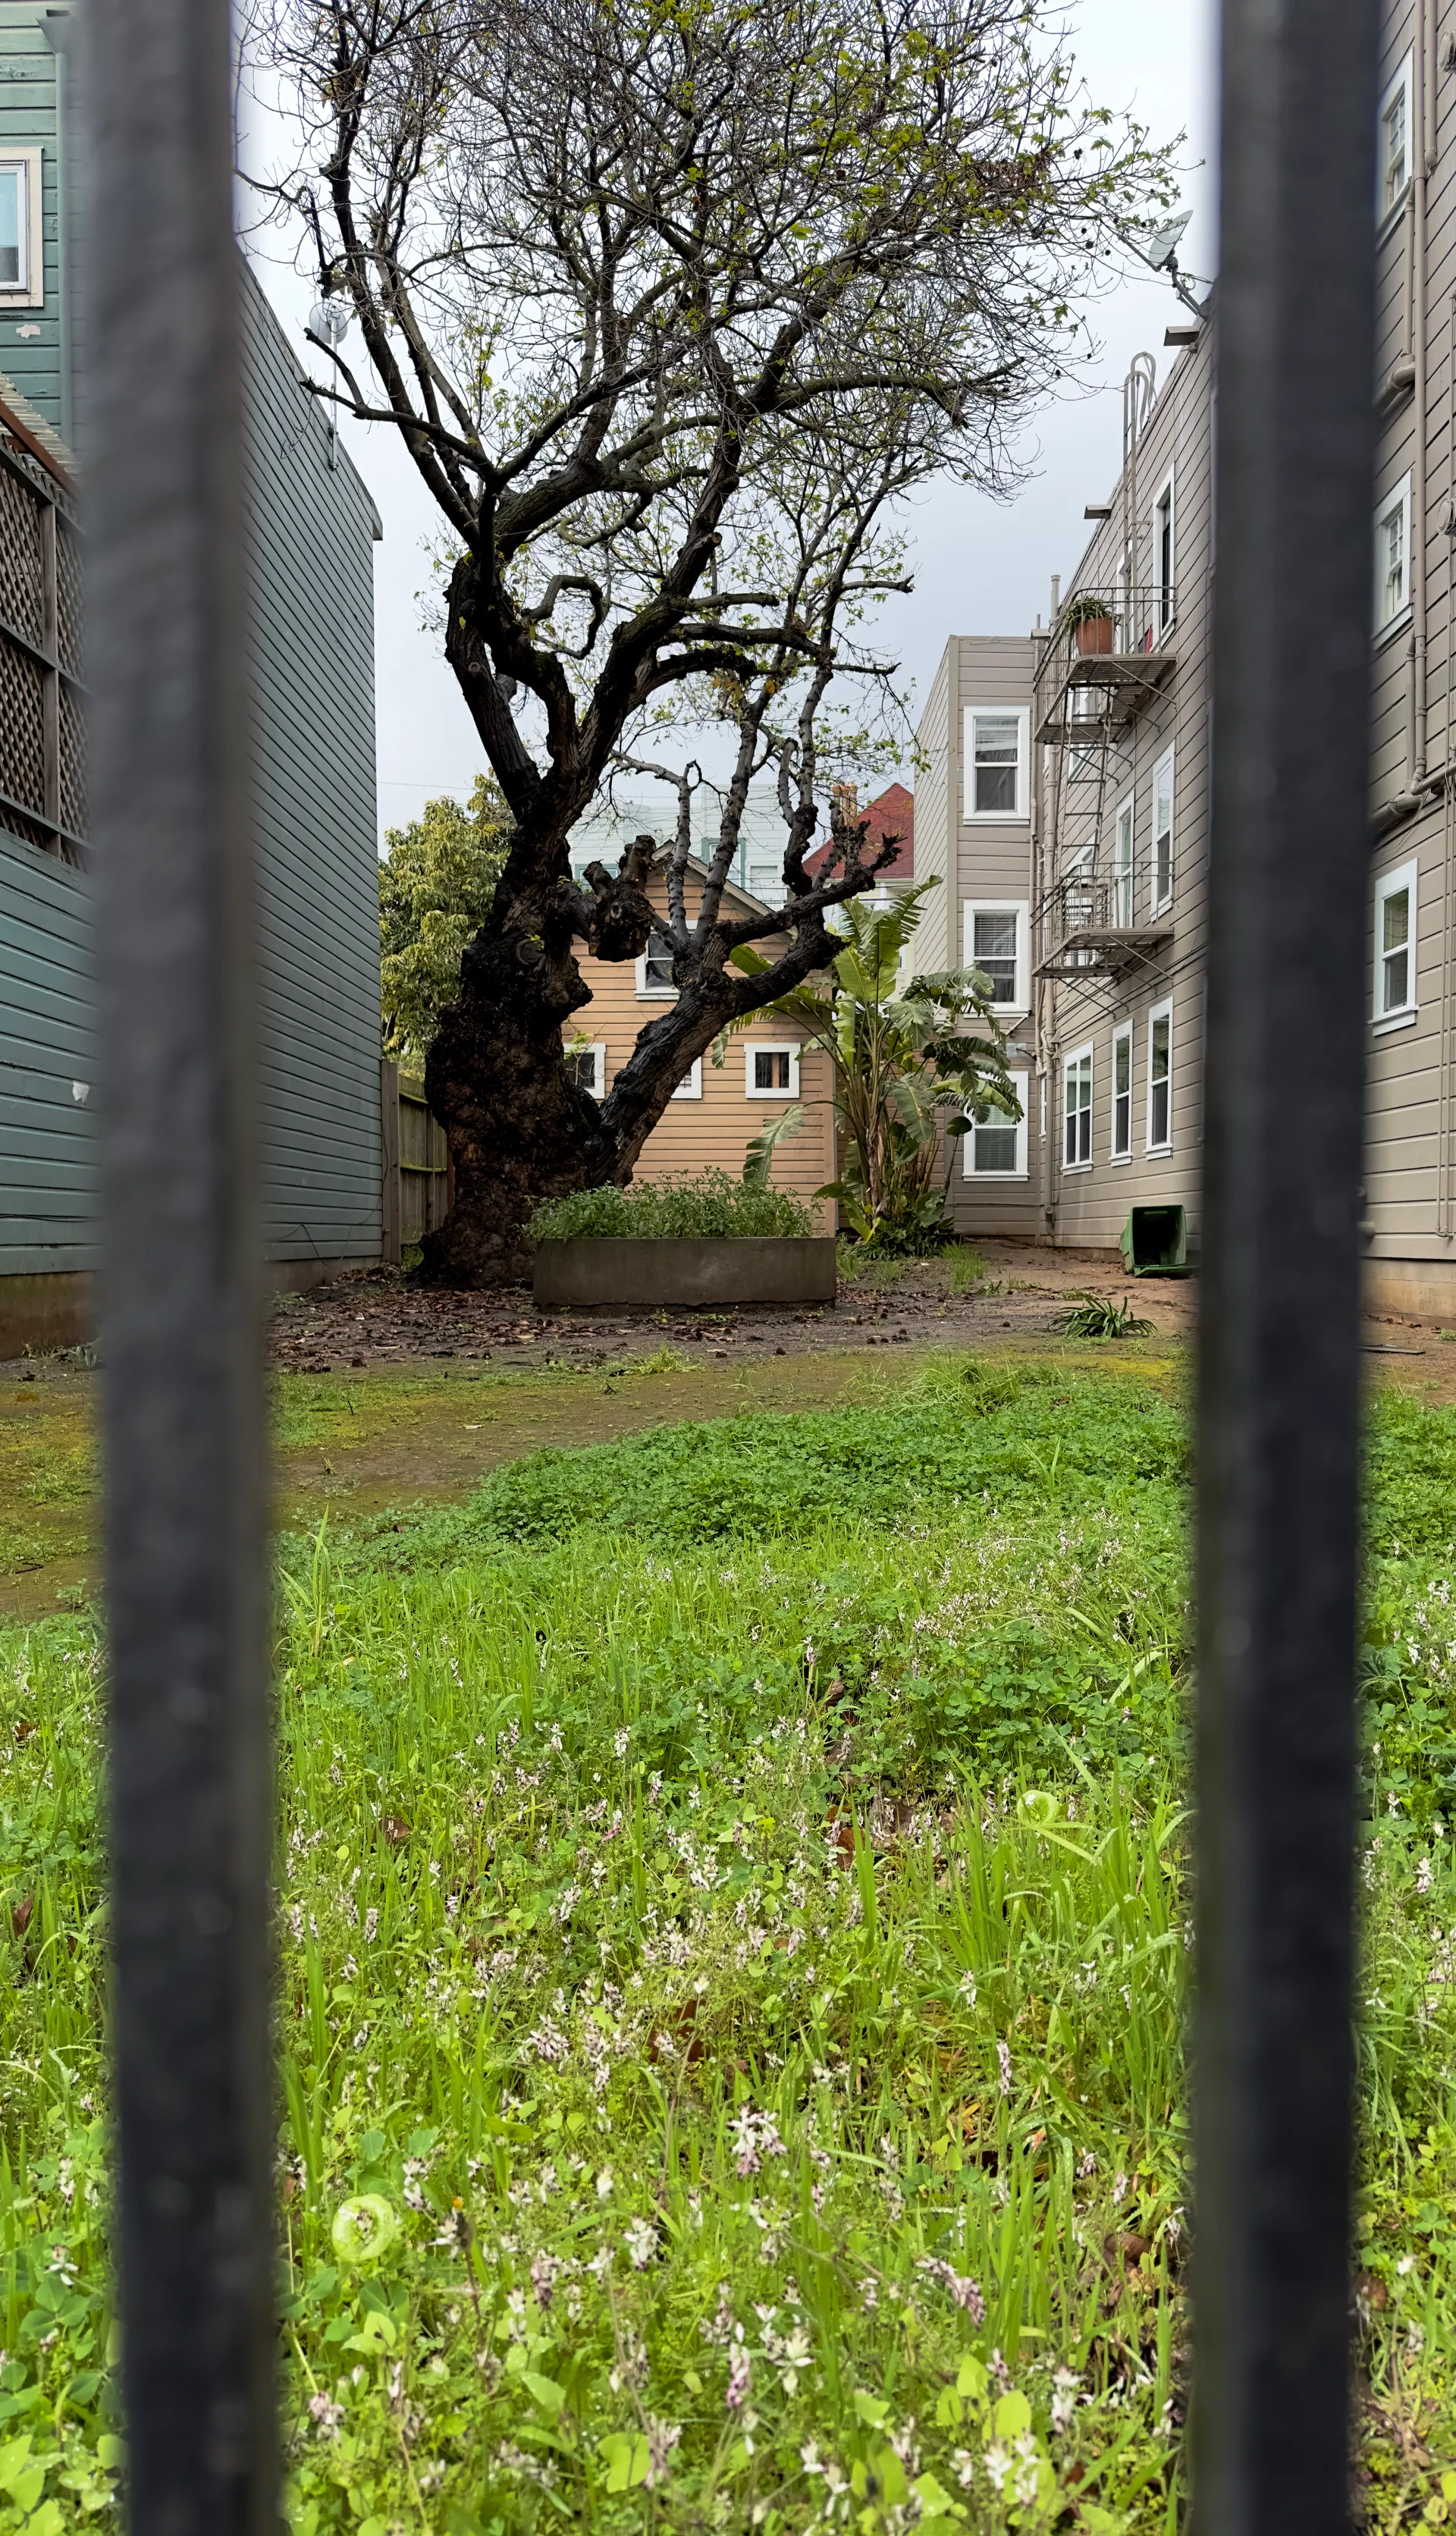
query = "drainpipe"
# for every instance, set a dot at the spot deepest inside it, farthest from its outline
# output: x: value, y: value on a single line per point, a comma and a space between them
x: 1418, y: 191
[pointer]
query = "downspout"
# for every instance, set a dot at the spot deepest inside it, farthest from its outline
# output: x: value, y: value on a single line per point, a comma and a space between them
x: 1418, y: 191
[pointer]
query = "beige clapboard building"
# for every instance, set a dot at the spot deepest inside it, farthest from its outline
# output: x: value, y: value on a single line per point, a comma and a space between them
x: 1101, y: 867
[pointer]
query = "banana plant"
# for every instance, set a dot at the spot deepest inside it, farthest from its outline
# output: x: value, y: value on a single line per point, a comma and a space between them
x: 910, y: 1068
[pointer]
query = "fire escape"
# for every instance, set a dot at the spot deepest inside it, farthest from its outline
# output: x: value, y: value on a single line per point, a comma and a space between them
x: 1103, y: 665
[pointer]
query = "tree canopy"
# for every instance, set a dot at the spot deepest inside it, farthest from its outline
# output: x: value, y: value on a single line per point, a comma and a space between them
x: 436, y: 883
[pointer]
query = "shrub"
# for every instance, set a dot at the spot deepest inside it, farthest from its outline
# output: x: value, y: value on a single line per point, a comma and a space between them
x: 710, y: 1207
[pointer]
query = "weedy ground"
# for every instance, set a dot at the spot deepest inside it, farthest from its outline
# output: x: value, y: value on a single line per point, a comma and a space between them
x: 734, y: 1949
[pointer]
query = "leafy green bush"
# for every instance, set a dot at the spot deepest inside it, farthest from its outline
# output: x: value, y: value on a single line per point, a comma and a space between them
x: 709, y: 1208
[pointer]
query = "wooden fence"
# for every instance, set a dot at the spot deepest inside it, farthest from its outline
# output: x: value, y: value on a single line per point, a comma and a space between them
x: 415, y: 1163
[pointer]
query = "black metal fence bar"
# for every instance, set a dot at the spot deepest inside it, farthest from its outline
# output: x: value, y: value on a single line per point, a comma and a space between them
x: 1279, y: 1445
x: 190, y: 1812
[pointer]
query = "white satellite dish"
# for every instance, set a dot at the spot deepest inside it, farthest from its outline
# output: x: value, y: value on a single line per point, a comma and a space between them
x: 1163, y: 246
x: 329, y: 321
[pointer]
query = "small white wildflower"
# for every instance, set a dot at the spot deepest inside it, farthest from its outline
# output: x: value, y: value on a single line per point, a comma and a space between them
x: 641, y: 2242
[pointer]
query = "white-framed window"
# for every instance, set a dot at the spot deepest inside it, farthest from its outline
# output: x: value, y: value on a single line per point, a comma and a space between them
x: 1395, y: 946
x: 1122, y: 836
x: 1165, y: 558
x: 1393, y: 558
x: 1076, y: 1112
x: 21, y: 233
x: 996, y: 1149
x: 1159, y: 1078
x: 766, y: 878
x: 997, y: 933
x: 1163, y: 787
x: 654, y: 969
x: 1393, y: 142
x: 1122, y: 1094
x: 587, y: 1065
x: 998, y: 756
x: 771, y: 1070
x: 692, y: 1086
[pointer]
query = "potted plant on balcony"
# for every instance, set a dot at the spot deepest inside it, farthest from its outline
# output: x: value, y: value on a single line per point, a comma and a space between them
x: 1089, y: 622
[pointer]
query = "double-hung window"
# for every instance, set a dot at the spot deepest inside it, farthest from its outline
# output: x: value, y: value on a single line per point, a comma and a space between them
x: 997, y: 934
x: 1122, y: 1094
x: 692, y: 1086
x: 998, y: 752
x: 586, y: 1063
x: 1076, y: 1152
x: 1122, y: 861
x: 771, y: 1073
x: 1159, y: 1078
x: 654, y: 969
x: 995, y: 1150
x: 22, y: 273
x: 1393, y: 142
x: 1395, y: 946
x: 1393, y: 558
x: 1162, y: 833
x: 766, y: 879
x: 1162, y: 557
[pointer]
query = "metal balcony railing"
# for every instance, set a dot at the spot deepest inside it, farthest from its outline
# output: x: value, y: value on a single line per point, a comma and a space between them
x: 1103, y: 923
x: 1109, y: 652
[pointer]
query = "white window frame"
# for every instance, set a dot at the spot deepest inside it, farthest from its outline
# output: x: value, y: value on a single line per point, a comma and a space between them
x: 971, y: 816
x: 1125, y: 882
x: 1020, y: 908
x: 1397, y: 499
x: 652, y: 994
x: 1020, y: 1085
x: 1122, y: 1037
x: 771, y: 1048
x: 1391, y: 1017
x: 1078, y: 1059
x: 1156, y: 1013
x: 595, y: 1049
x: 692, y: 1086
x: 1164, y: 594
x: 29, y: 290
x: 1387, y: 204
x: 1166, y: 766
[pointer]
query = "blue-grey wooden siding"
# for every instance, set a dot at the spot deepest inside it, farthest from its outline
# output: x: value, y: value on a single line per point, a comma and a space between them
x: 34, y: 349
x: 313, y: 675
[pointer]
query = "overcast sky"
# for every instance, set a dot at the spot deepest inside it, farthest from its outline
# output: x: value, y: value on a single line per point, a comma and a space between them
x: 980, y: 567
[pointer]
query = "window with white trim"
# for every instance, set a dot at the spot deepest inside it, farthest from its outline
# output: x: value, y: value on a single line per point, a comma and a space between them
x: 1122, y: 836
x: 1122, y: 1094
x: 1163, y: 832
x: 1393, y: 141
x: 692, y: 1086
x: 994, y: 1149
x: 1393, y: 558
x: 22, y: 243
x: 1076, y: 1108
x: 1159, y: 1078
x: 1395, y: 944
x: 766, y: 878
x: 997, y: 933
x: 586, y: 1063
x: 771, y: 1070
x: 998, y: 747
x: 654, y: 969
x: 1163, y: 556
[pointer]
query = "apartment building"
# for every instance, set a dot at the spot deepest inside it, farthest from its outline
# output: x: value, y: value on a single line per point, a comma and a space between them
x: 976, y: 835
x: 1110, y: 847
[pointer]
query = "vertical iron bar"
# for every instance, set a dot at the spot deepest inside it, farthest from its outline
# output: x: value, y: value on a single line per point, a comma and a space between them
x: 1279, y: 1376
x: 185, y: 1541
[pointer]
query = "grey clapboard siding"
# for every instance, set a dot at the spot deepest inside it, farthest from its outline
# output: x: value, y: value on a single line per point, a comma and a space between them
x: 311, y: 602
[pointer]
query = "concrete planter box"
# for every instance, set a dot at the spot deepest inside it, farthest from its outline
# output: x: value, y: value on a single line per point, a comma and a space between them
x: 651, y: 1274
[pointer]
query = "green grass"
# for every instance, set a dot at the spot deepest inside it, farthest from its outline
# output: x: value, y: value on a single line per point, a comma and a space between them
x: 709, y: 1207
x: 734, y: 1944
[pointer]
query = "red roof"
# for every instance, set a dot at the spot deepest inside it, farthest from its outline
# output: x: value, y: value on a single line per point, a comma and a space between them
x: 891, y: 814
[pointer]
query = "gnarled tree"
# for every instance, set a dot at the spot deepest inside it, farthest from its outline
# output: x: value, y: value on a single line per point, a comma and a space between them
x: 671, y: 301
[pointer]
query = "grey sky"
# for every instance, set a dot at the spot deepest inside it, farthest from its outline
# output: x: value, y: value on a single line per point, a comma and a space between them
x: 980, y: 567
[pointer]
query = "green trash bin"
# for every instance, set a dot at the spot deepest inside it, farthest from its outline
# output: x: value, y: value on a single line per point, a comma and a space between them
x: 1155, y: 1241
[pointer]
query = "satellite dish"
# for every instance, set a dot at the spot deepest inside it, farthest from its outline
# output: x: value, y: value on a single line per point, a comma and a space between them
x: 1163, y: 246
x: 329, y: 321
